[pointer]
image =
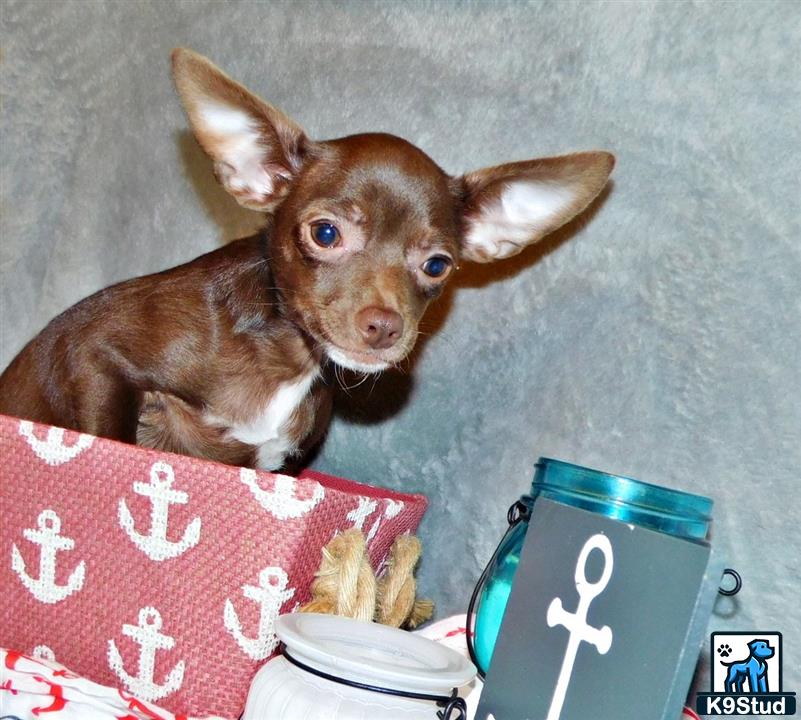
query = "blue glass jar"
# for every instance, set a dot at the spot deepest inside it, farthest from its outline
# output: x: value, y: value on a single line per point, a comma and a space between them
x: 668, y: 511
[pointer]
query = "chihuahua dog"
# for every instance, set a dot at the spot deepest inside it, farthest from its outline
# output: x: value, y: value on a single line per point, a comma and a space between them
x: 221, y: 358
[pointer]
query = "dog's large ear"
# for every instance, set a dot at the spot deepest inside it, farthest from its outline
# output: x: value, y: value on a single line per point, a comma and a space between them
x: 257, y: 150
x: 511, y: 206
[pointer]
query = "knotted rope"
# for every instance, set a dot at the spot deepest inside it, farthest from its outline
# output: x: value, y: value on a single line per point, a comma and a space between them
x: 346, y: 585
x: 397, y: 604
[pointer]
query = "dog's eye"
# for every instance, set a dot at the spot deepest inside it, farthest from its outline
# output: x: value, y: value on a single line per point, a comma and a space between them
x: 437, y: 266
x: 325, y: 234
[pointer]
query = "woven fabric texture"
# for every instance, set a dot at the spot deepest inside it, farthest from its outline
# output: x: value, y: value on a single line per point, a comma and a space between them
x: 163, y: 574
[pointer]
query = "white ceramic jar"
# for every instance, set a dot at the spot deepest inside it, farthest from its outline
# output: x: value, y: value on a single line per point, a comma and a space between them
x: 353, y: 652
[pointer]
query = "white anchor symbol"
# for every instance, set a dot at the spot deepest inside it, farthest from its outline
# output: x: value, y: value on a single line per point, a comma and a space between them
x: 362, y: 511
x: 576, y: 622
x: 147, y: 635
x: 281, y: 502
x: 271, y: 594
x: 53, y: 450
x: 156, y: 545
x: 48, y: 537
x: 392, y: 509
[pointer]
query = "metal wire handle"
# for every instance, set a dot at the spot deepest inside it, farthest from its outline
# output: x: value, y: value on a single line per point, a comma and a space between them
x: 449, y: 703
x: 454, y: 704
x: 738, y: 583
x: 517, y: 513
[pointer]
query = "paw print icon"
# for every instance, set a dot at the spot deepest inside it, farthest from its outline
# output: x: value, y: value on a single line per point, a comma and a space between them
x: 724, y: 650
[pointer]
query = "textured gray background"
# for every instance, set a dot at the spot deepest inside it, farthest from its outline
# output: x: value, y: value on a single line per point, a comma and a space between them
x: 659, y: 337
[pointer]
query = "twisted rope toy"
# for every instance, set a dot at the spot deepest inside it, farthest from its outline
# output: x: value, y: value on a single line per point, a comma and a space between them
x: 345, y: 583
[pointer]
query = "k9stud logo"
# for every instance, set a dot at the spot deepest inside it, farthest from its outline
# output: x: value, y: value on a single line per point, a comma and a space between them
x: 746, y: 676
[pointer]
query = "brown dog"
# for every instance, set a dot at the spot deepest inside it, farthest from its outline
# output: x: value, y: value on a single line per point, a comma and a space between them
x: 221, y: 358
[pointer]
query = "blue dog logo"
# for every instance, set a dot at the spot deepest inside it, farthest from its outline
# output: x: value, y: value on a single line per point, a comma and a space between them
x: 751, y: 686
x: 754, y: 669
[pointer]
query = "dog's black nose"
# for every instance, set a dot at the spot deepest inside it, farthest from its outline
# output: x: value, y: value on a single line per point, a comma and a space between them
x: 380, y: 328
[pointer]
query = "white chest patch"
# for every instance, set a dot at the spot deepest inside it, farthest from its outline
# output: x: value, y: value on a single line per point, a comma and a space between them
x: 268, y: 430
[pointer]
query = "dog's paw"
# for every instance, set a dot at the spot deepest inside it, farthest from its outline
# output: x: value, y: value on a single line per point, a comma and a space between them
x: 724, y: 650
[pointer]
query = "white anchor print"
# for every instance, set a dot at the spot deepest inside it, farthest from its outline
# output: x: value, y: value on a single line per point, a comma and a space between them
x: 271, y: 594
x: 156, y: 545
x: 147, y: 634
x: 48, y: 536
x: 390, y: 511
x: 53, y: 450
x: 361, y: 512
x: 393, y: 508
x: 576, y: 623
x: 281, y: 502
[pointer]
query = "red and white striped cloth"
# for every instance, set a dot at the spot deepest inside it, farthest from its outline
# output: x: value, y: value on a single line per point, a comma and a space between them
x: 34, y: 688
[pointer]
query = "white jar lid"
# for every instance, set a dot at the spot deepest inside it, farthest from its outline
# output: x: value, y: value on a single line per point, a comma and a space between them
x: 373, y: 654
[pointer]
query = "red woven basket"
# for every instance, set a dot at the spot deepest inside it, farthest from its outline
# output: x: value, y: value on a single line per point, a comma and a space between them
x: 163, y: 574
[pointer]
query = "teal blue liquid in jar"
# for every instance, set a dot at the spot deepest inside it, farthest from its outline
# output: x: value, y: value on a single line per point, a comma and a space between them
x: 657, y: 508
